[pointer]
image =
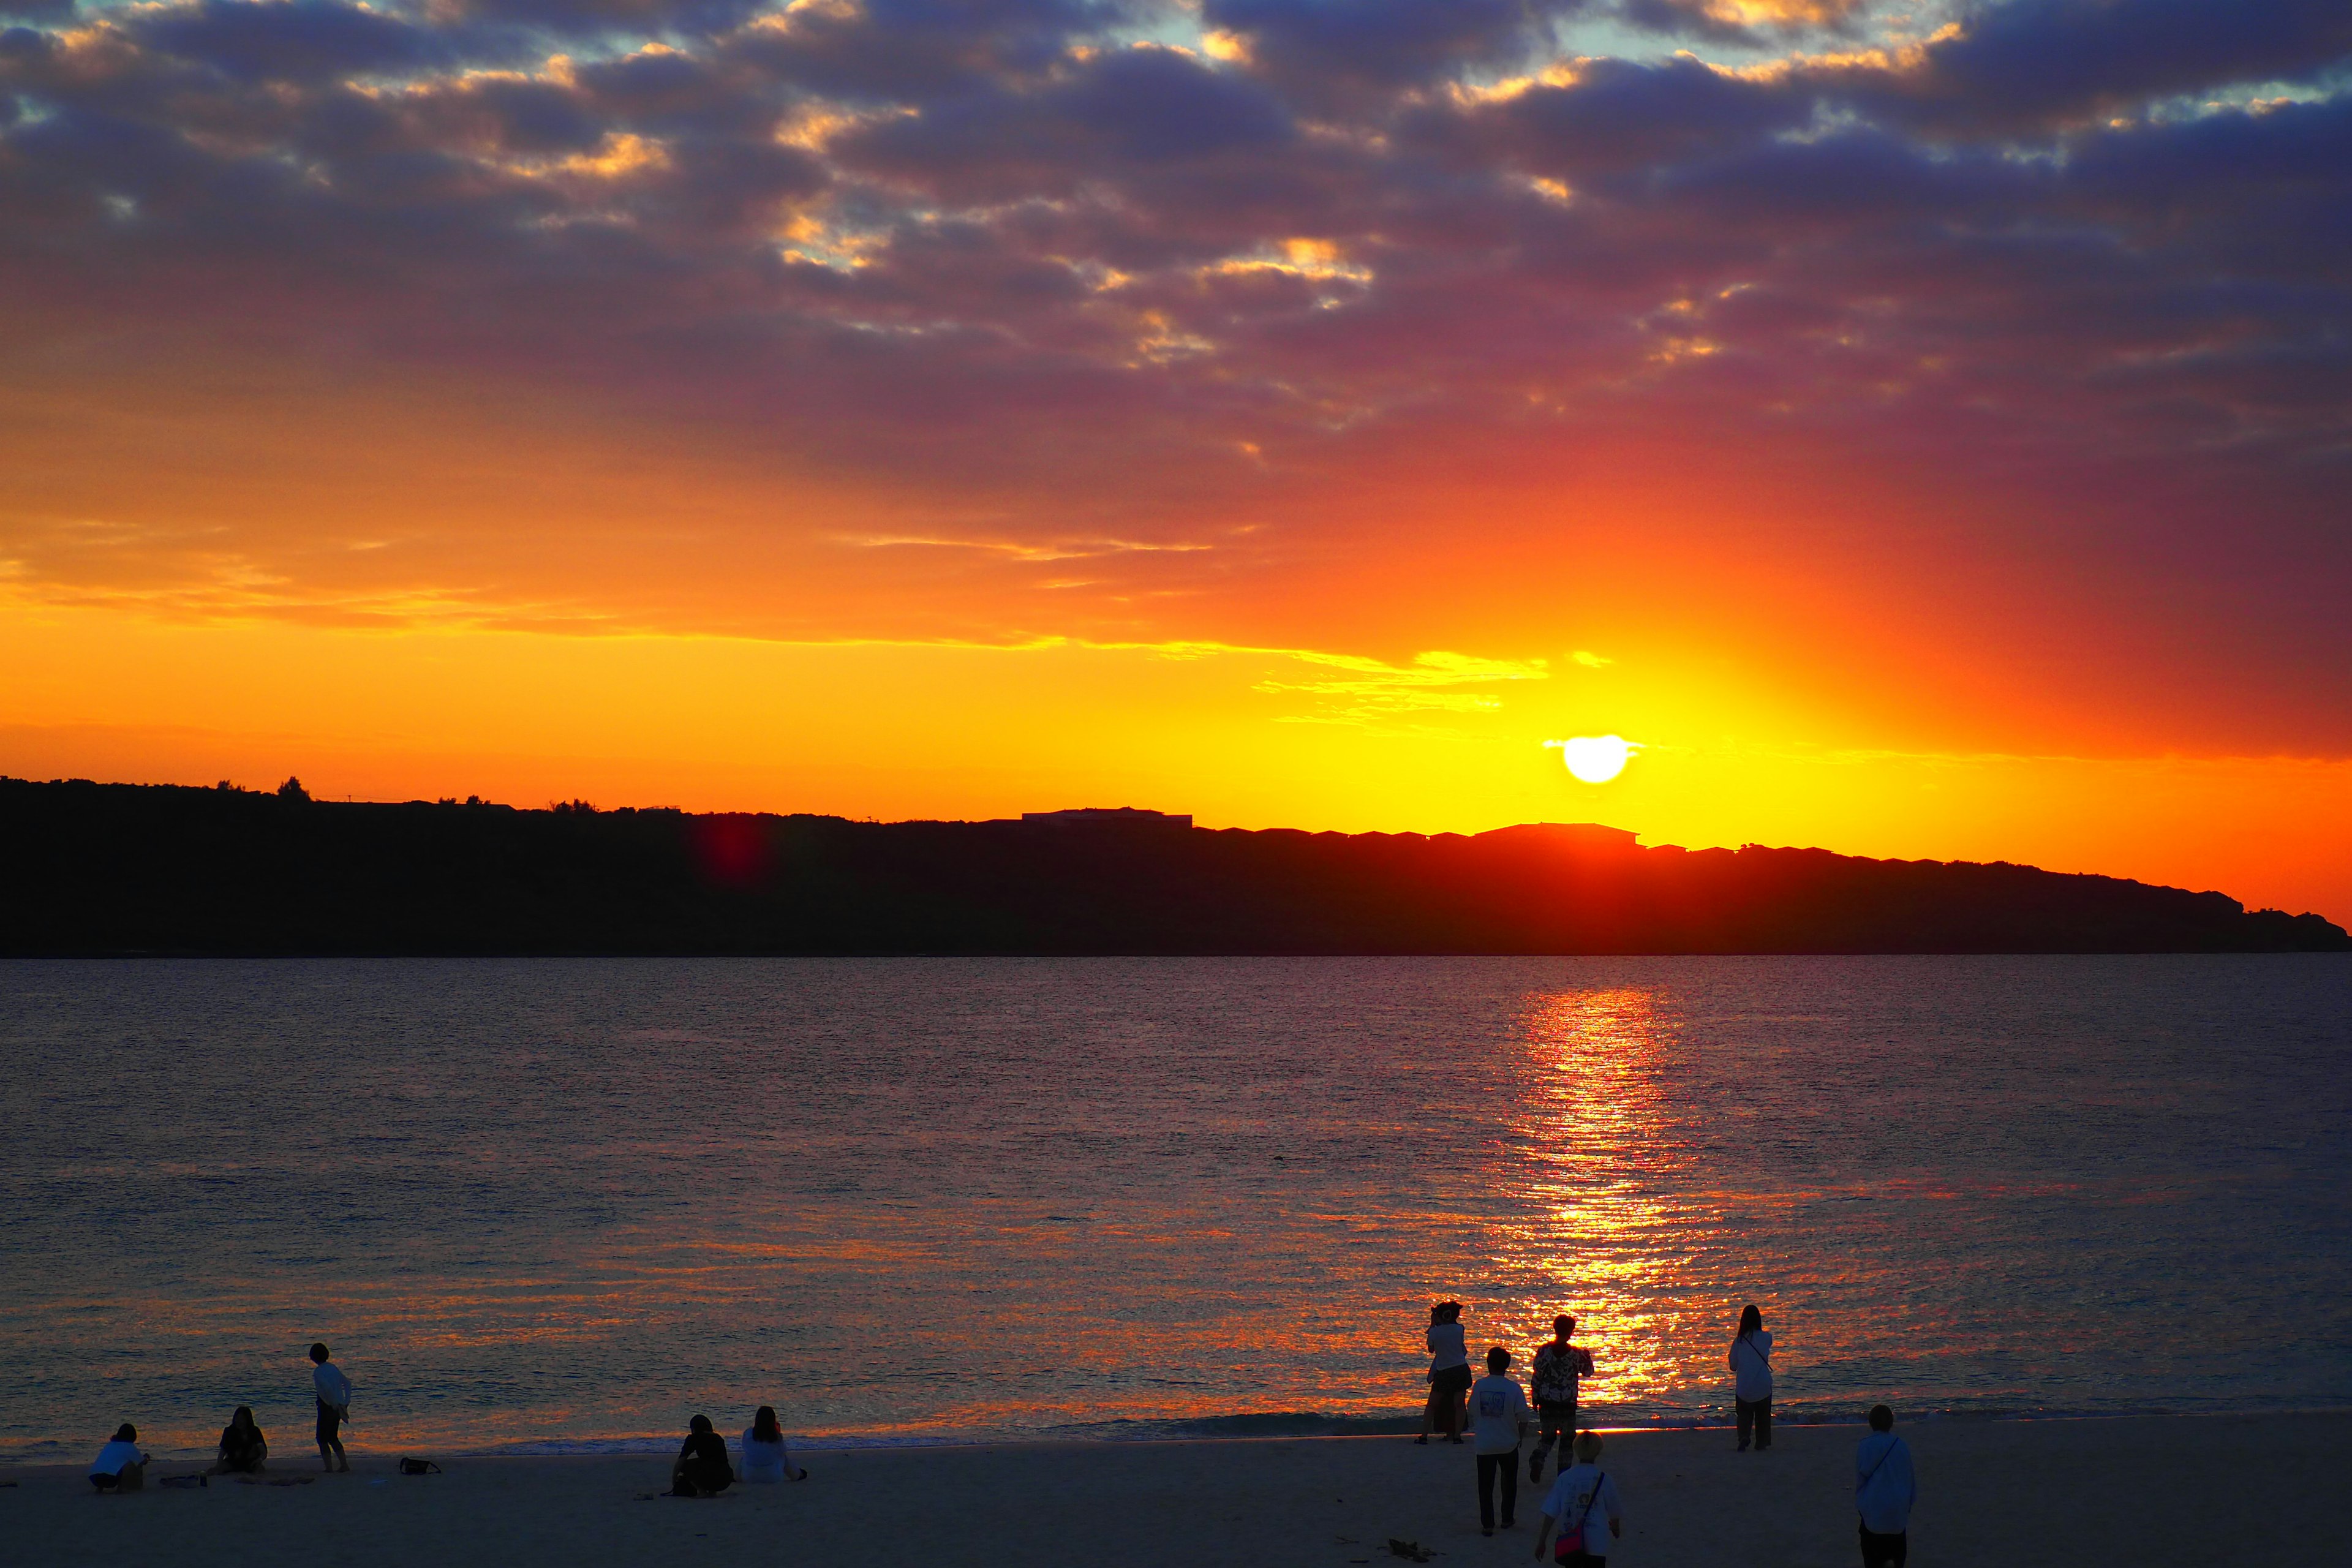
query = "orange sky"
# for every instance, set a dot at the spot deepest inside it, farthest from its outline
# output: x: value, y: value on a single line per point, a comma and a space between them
x: 1297, y: 432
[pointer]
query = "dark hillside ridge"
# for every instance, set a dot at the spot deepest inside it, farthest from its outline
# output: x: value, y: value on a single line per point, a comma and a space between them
x: 105, y: 869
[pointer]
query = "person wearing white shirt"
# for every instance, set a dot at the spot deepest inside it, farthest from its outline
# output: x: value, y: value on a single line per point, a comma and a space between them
x: 1884, y: 1491
x: 1580, y: 1500
x: 765, y: 1457
x: 119, y: 1466
x: 1449, y: 1372
x: 1499, y: 1419
x: 1751, y: 1373
x: 335, y: 1391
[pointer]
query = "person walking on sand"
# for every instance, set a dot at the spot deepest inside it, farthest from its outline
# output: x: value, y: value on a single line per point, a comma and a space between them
x: 1752, y: 1375
x: 1557, y: 1367
x: 1499, y: 1419
x: 765, y: 1457
x: 1449, y: 1372
x: 1580, y: 1500
x: 334, y: 1391
x: 119, y: 1466
x: 1884, y: 1492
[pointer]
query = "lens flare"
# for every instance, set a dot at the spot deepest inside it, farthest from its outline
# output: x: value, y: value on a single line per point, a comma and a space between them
x: 1596, y: 759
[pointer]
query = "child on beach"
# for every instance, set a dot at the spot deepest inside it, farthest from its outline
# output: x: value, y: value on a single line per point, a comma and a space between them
x: 1884, y: 1492
x: 334, y: 1391
x: 701, y: 1469
x: 119, y: 1466
x: 1498, y: 1418
x: 1557, y: 1367
x: 765, y: 1457
x: 1580, y: 1500
x: 1449, y: 1372
x: 243, y: 1451
x: 1751, y: 1373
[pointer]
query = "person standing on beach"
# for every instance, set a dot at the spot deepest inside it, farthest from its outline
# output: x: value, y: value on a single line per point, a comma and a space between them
x: 1449, y: 1372
x: 1884, y: 1492
x: 1556, y: 1370
x: 1499, y: 1419
x: 1580, y: 1500
x: 1751, y: 1373
x: 334, y: 1391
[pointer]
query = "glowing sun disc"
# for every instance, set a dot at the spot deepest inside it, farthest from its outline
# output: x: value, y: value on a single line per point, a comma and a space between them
x: 1596, y: 759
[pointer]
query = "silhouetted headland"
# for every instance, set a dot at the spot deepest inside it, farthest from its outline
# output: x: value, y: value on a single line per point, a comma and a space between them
x: 96, y: 868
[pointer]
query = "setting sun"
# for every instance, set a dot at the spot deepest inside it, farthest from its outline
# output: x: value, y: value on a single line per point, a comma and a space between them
x: 1596, y: 759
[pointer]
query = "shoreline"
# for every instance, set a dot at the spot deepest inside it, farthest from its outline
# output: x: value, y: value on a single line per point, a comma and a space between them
x: 2071, y: 1490
x: 58, y: 1453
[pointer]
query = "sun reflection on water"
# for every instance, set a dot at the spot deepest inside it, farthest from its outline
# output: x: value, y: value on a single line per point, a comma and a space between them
x: 1592, y: 1232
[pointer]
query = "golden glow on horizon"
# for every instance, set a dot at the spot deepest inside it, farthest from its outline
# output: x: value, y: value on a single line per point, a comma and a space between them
x: 1238, y: 736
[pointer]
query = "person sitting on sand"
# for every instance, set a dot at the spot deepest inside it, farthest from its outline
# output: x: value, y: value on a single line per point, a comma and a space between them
x: 701, y: 1469
x: 765, y: 1457
x: 1884, y: 1492
x: 243, y: 1451
x: 1751, y: 1373
x: 1449, y: 1372
x: 334, y: 1391
x: 119, y: 1466
x: 1580, y: 1500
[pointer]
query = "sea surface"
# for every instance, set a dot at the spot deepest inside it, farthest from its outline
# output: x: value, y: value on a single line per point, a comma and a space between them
x: 568, y: 1204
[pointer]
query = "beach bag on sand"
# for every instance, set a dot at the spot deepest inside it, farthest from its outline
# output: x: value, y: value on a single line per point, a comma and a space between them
x: 1570, y: 1543
x: 419, y: 1467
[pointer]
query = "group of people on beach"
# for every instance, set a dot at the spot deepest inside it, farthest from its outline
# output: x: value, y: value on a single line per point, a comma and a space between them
x: 703, y: 1467
x: 243, y: 1449
x: 1583, y: 1498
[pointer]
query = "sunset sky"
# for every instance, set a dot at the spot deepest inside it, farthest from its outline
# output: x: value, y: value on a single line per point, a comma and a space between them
x: 1923, y: 429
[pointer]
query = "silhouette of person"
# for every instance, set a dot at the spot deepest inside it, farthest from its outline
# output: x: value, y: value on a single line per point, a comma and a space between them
x: 1884, y: 1489
x: 334, y: 1391
x: 765, y: 1457
x: 1449, y: 1372
x: 1751, y: 1371
x: 701, y: 1469
x: 119, y: 1466
x: 1499, y: 1419
x: 243, y: 1451
x: 1580, y: 1500
x: 1558, y: 1364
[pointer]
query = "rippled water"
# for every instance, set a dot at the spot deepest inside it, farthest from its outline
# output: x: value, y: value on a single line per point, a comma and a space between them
x: 542, y: 1202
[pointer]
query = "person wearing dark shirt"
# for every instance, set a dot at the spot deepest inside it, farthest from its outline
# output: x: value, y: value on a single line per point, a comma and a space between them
x: 243, y: 1451
x: 702, y: 1469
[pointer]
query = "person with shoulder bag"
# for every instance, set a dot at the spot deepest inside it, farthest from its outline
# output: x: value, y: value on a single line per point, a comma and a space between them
x: 1580, y: 1500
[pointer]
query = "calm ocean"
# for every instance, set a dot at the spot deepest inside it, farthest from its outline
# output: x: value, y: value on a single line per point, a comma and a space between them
x: 559, y: 1202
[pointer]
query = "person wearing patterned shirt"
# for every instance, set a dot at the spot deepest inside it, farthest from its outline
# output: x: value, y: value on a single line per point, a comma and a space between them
x: 1558, y: 1366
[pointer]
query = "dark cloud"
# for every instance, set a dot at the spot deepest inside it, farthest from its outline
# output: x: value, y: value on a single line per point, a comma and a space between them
x: 2027, y: 64
x: 289, y: 40
x: 997, y: 243
x: 1327, y: 48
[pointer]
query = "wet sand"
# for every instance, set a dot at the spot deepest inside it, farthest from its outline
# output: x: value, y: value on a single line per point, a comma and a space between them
x: 2009, y: 1492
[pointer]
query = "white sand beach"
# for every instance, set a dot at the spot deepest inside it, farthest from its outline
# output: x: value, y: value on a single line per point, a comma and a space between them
x: 2016, y: 1493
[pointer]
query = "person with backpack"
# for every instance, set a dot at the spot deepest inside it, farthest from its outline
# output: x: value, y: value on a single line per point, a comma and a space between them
x: 1499, y: 1419
x: 1580, y: 1500
x: 1557, y: 1367
x: 1751, y: 1373
x: 1884, y: 1489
